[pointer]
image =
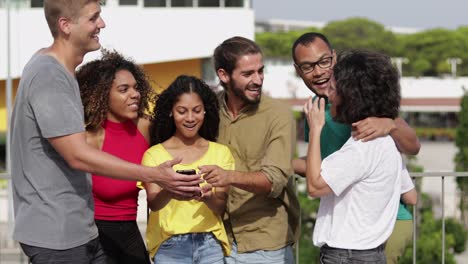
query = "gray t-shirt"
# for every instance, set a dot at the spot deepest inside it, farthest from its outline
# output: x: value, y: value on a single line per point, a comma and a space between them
x: 53, y: 203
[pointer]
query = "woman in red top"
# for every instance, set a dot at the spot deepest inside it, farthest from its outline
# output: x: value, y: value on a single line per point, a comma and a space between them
x: 115, y: 94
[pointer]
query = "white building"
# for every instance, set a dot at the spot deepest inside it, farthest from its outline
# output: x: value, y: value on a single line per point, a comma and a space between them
x: 167, y: 37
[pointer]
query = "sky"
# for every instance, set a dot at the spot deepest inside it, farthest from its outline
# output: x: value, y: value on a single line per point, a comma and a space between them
x: 421, y: 14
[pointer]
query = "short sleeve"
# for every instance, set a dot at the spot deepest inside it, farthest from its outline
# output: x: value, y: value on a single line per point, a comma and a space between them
x: 343, y: 168
x: 148, y: 159
x: 56, y: 103
x: 406, y: 181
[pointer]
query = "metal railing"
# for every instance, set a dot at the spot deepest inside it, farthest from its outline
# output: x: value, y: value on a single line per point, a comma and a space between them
x: 442, y: 175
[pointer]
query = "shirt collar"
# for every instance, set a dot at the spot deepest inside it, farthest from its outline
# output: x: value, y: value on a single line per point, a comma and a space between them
x: 247, y: 110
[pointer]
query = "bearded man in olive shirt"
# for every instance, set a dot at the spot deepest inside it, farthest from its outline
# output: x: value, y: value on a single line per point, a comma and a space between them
x: 262, y: 212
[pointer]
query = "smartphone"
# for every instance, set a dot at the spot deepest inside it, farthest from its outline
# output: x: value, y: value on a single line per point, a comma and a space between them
x: 187, y: 172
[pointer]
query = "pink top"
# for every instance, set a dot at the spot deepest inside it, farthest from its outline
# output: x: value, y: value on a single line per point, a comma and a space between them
x: 117, y: 200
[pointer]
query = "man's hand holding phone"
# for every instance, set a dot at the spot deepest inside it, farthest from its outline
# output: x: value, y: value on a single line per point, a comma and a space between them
x: 197, y: 194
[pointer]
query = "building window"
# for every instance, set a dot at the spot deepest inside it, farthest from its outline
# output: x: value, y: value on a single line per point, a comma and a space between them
x: 37, y: 3
x: 181, y: 3
x: 40, y: 3
x: 128, y: 2
x: 154, y: 3
x: 234, y: 3
x: 208, y: 3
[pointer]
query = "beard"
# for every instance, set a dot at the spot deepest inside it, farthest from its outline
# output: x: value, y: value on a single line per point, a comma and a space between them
x: 240, y: 93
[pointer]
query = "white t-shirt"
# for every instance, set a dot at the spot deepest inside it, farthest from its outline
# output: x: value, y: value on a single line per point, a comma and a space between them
x: 366, y: 180
x: 406, y: 181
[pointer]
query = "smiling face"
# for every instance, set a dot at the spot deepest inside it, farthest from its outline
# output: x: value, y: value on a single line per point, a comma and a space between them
x: 188, y: 113
x: 84, y: 31
x: 317, y: 52
x: 124, y: 98
x: 245, y: 83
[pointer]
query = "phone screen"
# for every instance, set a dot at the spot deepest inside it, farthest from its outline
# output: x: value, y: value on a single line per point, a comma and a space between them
x: 187, y: 172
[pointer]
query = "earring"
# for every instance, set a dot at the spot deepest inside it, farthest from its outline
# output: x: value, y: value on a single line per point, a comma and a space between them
x: 204, y: 112
x: 170, y: 114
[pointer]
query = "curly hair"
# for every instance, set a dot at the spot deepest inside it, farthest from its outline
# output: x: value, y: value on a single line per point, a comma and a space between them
x: 367, y: 84
x: 163, y: 127
x: 95, y: 79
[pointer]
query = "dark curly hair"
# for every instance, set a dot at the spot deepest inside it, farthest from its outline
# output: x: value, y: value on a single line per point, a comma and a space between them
x: 163, y: 127
x: 95, y: 80
x: 367, y: 84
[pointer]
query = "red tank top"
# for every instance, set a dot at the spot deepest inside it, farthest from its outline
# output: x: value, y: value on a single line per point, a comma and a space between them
x: 117, y: 200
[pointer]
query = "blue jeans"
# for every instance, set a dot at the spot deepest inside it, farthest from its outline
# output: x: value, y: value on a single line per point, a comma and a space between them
x: 280, y: 256
x: 329, y: 255
x: 196, y: 248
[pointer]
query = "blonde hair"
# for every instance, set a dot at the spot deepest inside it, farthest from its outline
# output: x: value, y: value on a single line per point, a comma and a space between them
x: 54, y: 9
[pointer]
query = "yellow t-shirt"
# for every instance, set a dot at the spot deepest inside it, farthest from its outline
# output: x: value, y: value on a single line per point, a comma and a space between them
x: 173, y: 219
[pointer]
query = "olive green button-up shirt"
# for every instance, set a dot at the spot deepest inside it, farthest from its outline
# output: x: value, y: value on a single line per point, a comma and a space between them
x: 261, y: 138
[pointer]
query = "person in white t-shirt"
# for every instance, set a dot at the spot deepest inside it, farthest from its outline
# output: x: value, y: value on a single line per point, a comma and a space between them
x: 360, y: 184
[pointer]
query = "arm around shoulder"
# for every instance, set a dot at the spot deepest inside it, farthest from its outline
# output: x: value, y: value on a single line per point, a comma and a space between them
x: 405, y: 137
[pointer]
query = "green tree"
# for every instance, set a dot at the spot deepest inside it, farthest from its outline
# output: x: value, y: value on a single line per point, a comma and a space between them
x: 461, y: 158
x: 427, y: 50
x: 278, y: 44
x: 429, y: 237
x: 420, y: 66
x: 308, y: 253
x: 434, y: 46
x: 361, y: 33
x: 457, y: 231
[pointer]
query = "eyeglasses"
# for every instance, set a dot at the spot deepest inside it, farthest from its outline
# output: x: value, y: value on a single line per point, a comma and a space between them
x: 324, y: 63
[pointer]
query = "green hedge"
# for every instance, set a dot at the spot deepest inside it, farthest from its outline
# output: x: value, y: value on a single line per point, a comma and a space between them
x: 435, y: 133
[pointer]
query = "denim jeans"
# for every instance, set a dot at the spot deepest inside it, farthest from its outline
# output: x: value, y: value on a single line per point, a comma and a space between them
x: 329, y: 255
x: 280, y: 256
x: 196, y: 248
x: 89, y: 253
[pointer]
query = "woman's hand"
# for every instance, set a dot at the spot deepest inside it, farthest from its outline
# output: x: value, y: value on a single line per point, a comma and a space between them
x: 315, y: 114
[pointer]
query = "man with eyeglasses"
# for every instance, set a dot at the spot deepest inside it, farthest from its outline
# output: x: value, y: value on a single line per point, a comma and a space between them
x: 314, y: 59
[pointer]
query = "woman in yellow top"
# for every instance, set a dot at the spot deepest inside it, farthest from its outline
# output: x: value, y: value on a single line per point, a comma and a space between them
x: 185, y: 125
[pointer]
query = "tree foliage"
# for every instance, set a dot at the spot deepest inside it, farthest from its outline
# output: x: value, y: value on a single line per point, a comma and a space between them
x: 461, y: 158
x: 427, y: 51
x: 278, y: 44
x: 360, y: 33
x: 308, y: 253
x: 461, y: 136
x: 429, y: 239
